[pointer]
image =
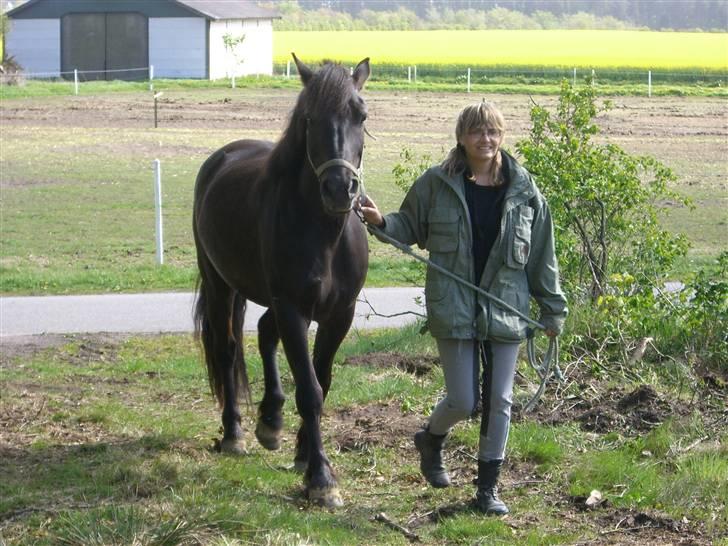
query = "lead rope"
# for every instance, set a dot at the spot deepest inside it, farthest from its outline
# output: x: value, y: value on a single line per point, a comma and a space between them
x: 551, y: 357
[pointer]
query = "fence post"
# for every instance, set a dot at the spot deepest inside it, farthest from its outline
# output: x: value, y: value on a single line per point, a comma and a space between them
x: 415, y: 73
x: 156, y: 96
x: 468, y: 80
x: 409, y: 74
x: 288, y: 70
x: 75, y: 80
x: 151, y: 77
x: 158, y: 210
x: 574, y: 76
x: 649, y: 83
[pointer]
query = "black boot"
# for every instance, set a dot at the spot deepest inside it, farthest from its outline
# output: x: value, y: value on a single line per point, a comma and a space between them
x: 486, y: 499
x: 430, y: 447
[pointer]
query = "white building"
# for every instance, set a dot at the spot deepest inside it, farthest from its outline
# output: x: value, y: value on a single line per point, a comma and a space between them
x: 120, y: 39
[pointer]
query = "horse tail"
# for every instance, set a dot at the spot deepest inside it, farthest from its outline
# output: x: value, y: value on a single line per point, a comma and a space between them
x: 205, y: 334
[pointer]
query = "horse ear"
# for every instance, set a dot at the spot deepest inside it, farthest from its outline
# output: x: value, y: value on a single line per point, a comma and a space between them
x: 361, y: 74
x: 303, y: 71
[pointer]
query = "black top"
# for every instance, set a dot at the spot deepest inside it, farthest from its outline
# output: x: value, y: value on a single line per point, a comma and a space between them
x: 485, y: 205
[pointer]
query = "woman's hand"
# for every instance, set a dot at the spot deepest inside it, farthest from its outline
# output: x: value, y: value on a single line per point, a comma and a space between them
x: 370, y: 212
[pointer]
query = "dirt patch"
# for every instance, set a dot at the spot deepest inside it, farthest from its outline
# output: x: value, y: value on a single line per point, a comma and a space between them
x: 16, y: 349
x: 624, y: 526
x: 103, y: 347
x: 629, y: 411
x: 380, y: 425
x: 417, y: 365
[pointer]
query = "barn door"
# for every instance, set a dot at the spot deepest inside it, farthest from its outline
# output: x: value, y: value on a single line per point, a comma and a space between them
x: 126, y: 45
x: 83, y: 44
x: 105, y: 41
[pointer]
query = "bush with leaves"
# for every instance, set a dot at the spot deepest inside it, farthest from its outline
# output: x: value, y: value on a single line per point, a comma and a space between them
x: 699, y: 321
x: 603, y: 200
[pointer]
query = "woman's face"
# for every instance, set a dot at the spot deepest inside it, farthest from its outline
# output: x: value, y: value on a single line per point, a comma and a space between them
x: 481, y: 143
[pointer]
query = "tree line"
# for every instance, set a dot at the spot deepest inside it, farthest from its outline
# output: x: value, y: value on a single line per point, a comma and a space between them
x: 707, y: 15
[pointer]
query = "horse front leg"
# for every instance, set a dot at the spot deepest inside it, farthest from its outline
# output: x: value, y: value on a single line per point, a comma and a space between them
x: 329, y: 336
x: 270, y: 417
x: 321, y: 485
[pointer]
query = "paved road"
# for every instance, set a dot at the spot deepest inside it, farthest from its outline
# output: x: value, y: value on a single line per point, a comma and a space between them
x: 168, y: 312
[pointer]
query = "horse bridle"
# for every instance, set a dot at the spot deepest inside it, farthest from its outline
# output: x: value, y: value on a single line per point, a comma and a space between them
x: 336, y: 162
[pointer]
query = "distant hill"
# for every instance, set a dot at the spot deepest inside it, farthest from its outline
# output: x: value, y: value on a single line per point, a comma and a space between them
x: 708, y: 15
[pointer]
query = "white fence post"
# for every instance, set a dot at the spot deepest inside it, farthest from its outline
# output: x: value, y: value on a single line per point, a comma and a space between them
x: 649, y: 83
x: 151, y: 77
x: 75, y: 80
x: 288, y: 70
x: 468, y: 80
x: 158, y: 210
x: 415, y: 73
x: 409, y: 74
x: 574, y: 77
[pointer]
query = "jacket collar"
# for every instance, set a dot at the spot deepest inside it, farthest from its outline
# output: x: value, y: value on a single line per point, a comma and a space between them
x: 520, y: 187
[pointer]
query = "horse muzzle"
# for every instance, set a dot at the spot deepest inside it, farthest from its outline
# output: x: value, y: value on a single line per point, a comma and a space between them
x: 339, y: 190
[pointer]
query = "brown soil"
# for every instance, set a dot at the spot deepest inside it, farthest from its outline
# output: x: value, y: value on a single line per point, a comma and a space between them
x: 692, y: 130
x: 376, y: 425
x: 417, y: 365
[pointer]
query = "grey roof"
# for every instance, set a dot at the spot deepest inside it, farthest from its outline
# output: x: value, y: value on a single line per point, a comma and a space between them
x: 210, y: 9
x: 229, y: 9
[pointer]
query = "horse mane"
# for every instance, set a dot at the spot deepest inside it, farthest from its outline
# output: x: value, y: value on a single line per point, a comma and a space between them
x: 329, y: 90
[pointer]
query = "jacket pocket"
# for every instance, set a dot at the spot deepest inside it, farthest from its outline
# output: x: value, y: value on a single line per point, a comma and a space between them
x: 520, y: 247
x: 505, y: 325
x: 443, y: 230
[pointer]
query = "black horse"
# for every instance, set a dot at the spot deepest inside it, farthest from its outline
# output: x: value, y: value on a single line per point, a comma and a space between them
x: 274, y: 224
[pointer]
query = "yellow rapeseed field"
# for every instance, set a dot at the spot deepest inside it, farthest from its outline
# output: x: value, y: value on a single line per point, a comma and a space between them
x: 550, y: 48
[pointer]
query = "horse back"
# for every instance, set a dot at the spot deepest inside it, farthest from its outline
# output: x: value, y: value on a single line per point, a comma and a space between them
x: 228, y: 192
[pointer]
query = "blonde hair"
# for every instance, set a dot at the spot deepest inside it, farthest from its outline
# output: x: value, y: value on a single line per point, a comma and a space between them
x: 478, y: 115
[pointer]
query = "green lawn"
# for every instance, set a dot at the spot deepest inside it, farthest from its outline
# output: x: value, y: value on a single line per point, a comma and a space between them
x: 108, y: 441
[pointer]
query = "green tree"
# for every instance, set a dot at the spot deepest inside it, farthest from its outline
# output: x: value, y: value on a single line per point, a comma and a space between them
x: 603, y: 200
x: 232, y: 44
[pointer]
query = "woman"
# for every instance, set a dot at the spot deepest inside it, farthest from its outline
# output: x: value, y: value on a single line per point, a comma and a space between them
x: 480, y: 215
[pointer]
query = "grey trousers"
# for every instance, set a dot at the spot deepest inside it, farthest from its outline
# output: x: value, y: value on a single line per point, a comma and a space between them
x: 460, y: 360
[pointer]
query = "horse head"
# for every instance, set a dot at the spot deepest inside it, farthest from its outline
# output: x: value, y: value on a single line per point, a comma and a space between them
x: 334, y: 115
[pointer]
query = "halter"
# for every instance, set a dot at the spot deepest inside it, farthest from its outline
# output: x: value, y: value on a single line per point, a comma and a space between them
x: 336, y: 162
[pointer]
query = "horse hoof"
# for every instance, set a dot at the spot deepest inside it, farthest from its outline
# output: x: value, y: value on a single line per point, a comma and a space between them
x: 233, y: 446
x: 300, y: 466
x: 327, y: 497
x: 268, y: 437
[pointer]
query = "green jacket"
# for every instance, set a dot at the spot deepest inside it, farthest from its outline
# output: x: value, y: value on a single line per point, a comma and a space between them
x: 435, y: 216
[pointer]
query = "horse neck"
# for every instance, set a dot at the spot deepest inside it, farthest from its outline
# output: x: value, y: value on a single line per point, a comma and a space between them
x: 290, y: 169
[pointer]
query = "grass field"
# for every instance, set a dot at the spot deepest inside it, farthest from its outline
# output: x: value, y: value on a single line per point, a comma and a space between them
x: 503, y: 48
x: 108, y: 440
x: 77, y: 208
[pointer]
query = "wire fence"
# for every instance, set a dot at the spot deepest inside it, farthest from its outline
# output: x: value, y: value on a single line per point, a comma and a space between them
x: 457, y: 75
x: 144, y: 73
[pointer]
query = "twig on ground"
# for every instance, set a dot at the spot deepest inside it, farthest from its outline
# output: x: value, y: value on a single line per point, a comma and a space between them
x: 383, y: 518
x: 463, y: 452
x: 364, y: 299
x: 526, y: 482
x: 625, y: 530
x: 676, y: 450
